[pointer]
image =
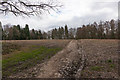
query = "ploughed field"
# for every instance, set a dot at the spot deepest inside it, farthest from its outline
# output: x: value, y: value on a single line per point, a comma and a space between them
x: 85, y: 58
x: 20, y: 55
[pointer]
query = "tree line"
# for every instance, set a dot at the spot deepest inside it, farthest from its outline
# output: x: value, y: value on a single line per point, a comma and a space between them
x: 101, y: 30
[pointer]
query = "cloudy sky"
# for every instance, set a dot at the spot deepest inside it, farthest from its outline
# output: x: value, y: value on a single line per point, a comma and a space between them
x: 74, y: 13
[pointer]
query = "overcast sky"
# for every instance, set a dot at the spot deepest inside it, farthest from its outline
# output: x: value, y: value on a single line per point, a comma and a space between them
x: 74, y: 13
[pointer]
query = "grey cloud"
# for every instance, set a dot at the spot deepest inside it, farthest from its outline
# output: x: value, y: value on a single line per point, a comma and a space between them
x: 79, y: 21
x: 76, y: 21
x: 100, y: 5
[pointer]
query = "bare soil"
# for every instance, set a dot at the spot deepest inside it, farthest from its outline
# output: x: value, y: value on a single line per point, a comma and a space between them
x: 101, y: 58
x: 84, y: 59
x: 79, y: 59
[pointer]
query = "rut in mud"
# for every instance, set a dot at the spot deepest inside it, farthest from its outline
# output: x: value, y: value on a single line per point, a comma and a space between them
x: 67, y: 63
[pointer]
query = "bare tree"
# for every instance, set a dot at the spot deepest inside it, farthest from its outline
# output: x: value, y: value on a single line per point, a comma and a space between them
x: 25, y: 7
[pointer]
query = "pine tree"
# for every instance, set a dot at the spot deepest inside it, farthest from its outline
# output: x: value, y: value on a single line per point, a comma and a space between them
x: 66, y: 32
x: 1, y: 30
x: 59, y: 33
x: 27, y: 33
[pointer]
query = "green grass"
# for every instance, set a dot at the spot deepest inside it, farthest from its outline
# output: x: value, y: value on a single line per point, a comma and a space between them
x: 96, y: 68
x: 109, y: 61
x: 112, y: 65
x: 27, y: 59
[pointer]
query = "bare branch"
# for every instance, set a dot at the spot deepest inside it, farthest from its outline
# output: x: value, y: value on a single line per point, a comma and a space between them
x: 19, y: 7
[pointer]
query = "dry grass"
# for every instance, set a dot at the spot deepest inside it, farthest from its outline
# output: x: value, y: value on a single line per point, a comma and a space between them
x: 101, y: 55
x: 51, y: 43
x: 30, y: 53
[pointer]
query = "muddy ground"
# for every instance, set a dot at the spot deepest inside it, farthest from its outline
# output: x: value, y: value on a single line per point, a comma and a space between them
x: 79, y: 59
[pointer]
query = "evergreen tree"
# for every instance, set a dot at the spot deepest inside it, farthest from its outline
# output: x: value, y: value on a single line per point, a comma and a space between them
x: 1, y: 30
x: 27, y: 33
x: 59, y: 33
x: 66, y: 32
x: 22, y: 34
x: 62, y: 32
x: 102, y: 30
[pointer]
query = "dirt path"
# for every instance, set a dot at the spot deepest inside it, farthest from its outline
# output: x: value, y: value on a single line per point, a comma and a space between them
x: 66, y: 63
x: 80, y: 59
x: 84, y: 59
